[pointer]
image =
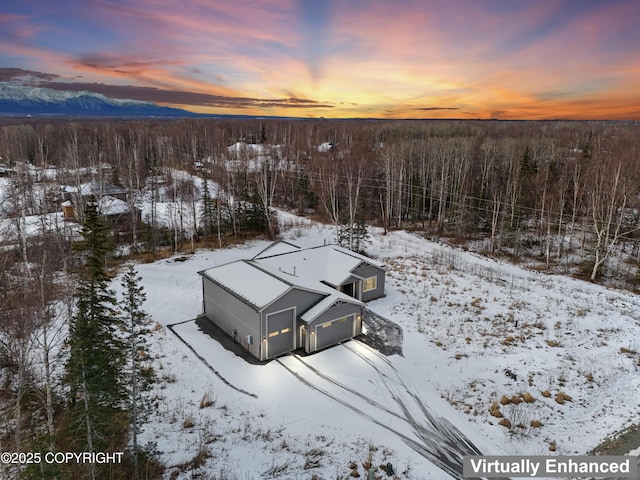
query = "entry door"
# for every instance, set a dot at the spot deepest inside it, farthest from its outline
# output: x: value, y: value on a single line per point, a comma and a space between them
x: 353, y: 289
x: 280, y: 332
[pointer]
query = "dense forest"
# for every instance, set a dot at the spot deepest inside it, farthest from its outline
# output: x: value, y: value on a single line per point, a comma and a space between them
x: 564, y: 193
x: 559, y: 196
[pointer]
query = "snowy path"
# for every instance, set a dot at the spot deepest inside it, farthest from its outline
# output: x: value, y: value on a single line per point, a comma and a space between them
x: 399, y: 410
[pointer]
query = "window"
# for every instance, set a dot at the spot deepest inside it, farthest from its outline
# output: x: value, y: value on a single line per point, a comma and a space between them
x: 326, y: 325
x: 273, y: 334
x: 342, y: 320
x: 369, y: 284
x: 285, y: 330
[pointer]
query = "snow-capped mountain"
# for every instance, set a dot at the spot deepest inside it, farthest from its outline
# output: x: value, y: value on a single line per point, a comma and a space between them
x: 26, y: 100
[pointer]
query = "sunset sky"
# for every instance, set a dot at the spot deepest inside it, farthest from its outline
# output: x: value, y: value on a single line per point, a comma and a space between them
x: 509, y: 59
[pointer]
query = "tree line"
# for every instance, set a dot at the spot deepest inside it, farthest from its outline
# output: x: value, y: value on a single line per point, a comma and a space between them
x: 564, y: 195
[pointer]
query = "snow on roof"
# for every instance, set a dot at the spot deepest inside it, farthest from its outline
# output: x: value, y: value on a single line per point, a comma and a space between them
x: 302, y: 282
x: 94, y: 188
x: 109, y: 205
x: 248, y: 282
x: 360, y: 257
x: 324, y: 147
x: 277, y: 248
x: 330, y: 263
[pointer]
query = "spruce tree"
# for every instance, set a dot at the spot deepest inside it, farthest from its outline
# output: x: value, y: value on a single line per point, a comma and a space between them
x: 253, y: 214
x: 207, y: 212
x: 94, y: 365
x: 139, y: 376
x: 353, y: 236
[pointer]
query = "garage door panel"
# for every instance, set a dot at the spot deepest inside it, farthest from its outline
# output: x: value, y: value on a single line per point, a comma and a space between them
x: 280, y: 333
x: 330, y: 333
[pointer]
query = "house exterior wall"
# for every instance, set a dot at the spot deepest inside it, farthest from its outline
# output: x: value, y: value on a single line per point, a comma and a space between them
x: 230, y: 313
x: 301, y: 299
x: 366, y: 271
x: 337, y: 311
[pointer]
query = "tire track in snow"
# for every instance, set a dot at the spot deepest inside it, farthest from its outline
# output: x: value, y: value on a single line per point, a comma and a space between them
x: 447, y: 440
x: 443, y: 445
x: 439, y: 423
x: 370, y: 401
x: 203, y: 360
x: 416, y: 446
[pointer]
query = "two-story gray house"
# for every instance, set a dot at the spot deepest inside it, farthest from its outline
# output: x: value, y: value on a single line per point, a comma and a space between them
x: 287, y: 297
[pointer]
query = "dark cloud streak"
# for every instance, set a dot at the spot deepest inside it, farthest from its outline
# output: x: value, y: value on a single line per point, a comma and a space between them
x: 430, y: 109
x: 12, y: 74
x: 156, y: 95
x: 153, y: 94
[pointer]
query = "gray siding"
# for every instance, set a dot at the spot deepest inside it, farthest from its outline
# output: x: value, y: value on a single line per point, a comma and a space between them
x: 366, y: 271
x: 337, y: 311
x: 301, y: 299
x: 230, y: 313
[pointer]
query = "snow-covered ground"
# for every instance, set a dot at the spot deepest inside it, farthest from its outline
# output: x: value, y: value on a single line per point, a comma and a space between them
x: 476, y: 331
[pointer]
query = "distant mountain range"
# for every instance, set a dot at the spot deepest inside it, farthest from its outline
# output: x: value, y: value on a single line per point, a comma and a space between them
x: 25, y: 100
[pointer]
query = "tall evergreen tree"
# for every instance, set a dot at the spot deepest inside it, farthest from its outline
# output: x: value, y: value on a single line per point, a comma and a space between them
x: 354, y: 236
x: 252, y: 214
x: 94, y: 366
x: 139, y: 374
x: 207, y: 212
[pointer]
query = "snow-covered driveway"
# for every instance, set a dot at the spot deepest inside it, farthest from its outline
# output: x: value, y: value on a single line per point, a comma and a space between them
x: 387, y: 401
x: 362, y: 386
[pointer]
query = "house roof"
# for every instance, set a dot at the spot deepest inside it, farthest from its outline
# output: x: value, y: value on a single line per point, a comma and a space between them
x: 277, y: 248
x: 254, y: 285
x: 313, y: 285
x: 329, y: 263
x: 109, y: 205
x: 94, y: 188
x: 283, y: 266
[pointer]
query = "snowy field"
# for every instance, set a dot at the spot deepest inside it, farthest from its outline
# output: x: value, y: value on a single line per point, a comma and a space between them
x: 481, y: 339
